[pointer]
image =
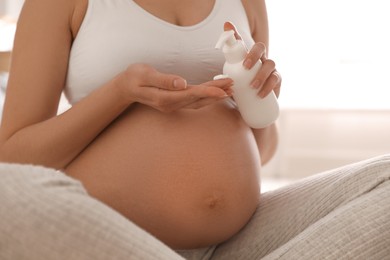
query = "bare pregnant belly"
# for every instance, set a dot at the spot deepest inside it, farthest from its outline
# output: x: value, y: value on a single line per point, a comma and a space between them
x: 190, y: 178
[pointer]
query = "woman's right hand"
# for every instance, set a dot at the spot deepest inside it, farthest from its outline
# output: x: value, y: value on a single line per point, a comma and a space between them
x: 167, y: 92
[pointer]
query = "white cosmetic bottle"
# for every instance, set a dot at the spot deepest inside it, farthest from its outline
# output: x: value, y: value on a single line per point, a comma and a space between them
x: 257, y: 112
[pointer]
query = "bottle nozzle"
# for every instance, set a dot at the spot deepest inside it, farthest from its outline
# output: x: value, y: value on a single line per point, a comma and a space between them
x: 226, y: 37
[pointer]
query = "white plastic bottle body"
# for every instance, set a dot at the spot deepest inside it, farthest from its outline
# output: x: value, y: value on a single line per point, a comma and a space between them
x: 257, y: 112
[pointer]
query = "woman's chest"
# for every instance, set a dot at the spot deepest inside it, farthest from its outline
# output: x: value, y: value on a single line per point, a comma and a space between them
x: 116, y: 34
x: 178, y: 12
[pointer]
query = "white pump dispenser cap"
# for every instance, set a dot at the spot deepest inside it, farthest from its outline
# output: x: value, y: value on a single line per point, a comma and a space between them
x: 233, y: 49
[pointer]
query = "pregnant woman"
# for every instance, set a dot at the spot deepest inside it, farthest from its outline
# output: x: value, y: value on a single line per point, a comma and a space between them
x: 149, y: 132
x: 164, y: 157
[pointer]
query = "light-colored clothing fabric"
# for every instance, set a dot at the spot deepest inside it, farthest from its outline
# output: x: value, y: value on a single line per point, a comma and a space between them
x: 340, y: 214
x: 46, y: 215
x: 117, y: 33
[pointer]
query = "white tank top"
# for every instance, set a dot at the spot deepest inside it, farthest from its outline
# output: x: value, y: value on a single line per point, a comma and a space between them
x: 117, y: 33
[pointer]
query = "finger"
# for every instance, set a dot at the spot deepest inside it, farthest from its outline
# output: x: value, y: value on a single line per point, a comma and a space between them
x: 168, y: 101
x: 205, y: 91
x: 273, y: 83
x: 225, y: 83
x: 154, y: 78
x: 194, y: 98
x: 257, y: 52
x: 203, y: 102
x: 266, y: 69
x: 229, y: 26
x: 163, y: 100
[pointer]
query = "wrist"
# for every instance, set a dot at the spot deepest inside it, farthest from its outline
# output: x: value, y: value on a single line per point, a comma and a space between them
x: 119, y: 86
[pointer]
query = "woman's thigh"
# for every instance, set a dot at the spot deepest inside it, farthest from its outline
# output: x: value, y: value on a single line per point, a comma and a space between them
x: 48, y: 215
x: 285, y: 213
x: 359, y: 229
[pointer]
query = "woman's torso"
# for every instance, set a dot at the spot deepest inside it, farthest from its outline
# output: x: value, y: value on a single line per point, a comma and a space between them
x: 189, y: 177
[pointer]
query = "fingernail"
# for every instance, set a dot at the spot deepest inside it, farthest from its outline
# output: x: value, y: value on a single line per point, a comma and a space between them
x: 255, y: 84
x: 179, y: 84
x: 224, y: 96
x: 262, y: 94
x: 248, y: 64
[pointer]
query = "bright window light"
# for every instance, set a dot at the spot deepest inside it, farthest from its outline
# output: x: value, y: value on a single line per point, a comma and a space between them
x: 7, y: 32
x: 332, y: 53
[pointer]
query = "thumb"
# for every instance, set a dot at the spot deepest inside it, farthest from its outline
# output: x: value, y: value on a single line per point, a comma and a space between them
x: 157, y: 79
x: 230, y: 26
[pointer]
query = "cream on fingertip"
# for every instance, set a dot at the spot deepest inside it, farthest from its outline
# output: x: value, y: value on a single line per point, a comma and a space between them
x: 221, y: 76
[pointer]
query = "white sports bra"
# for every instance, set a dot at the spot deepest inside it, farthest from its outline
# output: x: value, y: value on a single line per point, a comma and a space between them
x: 117, y: 33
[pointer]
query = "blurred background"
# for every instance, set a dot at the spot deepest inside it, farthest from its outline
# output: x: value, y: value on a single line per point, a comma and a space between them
x: 334, y: 57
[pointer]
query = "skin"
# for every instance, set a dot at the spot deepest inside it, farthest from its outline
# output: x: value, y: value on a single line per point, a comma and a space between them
x: 31, y: 130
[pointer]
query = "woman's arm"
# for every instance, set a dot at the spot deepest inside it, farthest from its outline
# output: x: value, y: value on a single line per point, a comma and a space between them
x: 31, y: 132
x: 267, y: 79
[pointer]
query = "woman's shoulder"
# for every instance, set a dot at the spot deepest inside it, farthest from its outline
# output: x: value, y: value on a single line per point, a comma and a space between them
x: 68, y: 13
x: 53, y: 5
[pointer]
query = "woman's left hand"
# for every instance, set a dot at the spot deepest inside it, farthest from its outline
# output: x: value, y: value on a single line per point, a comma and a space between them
x: 267, y: 78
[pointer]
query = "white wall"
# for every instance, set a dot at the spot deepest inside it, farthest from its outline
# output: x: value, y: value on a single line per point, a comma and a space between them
x: 10, y: 8
x: 332, y: 53
x: 2, y: 8
x: 315, y: 140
